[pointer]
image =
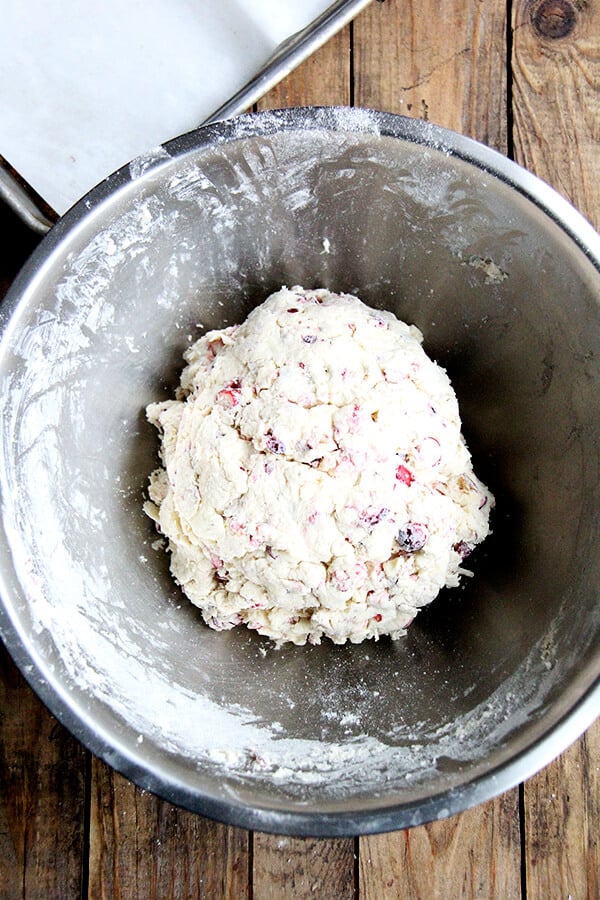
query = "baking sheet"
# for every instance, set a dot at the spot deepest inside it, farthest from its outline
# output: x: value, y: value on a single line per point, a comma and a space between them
x: 88, y: 87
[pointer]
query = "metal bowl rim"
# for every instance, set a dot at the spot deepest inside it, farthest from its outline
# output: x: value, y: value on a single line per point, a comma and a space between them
x: 504, y: 776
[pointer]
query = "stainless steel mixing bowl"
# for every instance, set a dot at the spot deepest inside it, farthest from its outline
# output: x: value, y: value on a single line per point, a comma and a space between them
x: 502, y: 276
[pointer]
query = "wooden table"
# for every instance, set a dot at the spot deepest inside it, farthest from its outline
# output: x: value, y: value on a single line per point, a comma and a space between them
x: 71, y: 826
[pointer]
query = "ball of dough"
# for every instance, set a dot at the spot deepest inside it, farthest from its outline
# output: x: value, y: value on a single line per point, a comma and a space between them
x: 315, y: 481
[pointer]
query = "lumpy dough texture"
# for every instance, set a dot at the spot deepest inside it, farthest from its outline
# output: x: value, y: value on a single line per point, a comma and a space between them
x: 315, y: 481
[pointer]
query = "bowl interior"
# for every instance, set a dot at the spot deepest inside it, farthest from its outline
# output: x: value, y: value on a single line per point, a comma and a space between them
x: 508, y: 303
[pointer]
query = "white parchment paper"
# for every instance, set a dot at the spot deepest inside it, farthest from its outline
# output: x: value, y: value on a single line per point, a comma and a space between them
x: 85, y: 87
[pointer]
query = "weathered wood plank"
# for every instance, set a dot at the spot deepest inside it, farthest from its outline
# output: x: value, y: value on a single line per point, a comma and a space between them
x: 556, y: 102
x: 42, y: 778
x: 556, y: 110
x: 448, y: 67
x: 445, y: 63
x: 562, y: 816
x: 322, y: 79
x: 473, y: 855
x: 142, y: 847
x: 302, y: 868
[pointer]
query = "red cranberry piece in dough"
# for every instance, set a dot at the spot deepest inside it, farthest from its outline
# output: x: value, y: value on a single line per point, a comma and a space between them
x: 412, y: 537
x: 463, y: 549
x: 429, y: 452
x: 404, y: 475
x: 231, y: 392
x: 371, y: 517
x: 274, y: 444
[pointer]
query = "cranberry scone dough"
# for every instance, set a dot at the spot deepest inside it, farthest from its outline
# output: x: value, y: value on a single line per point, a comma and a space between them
x: 315, y: 481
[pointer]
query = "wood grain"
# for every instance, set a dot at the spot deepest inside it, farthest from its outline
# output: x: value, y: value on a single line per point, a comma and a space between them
x: 322, y: 79
x: 556, y: 111
x: 473, y: 855
x: 562, y: 814
x: 142, y: 847
x: 450, y: 69
x: 441, y: 62
x: 556, y: 101
x: 42, y: 796
x: 298, y: 869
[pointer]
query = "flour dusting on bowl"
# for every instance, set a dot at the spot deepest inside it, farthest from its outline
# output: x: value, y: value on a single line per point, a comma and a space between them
x: 491, y: 680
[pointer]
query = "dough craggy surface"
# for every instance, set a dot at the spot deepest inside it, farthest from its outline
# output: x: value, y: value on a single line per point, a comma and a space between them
x: 315, y: 481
